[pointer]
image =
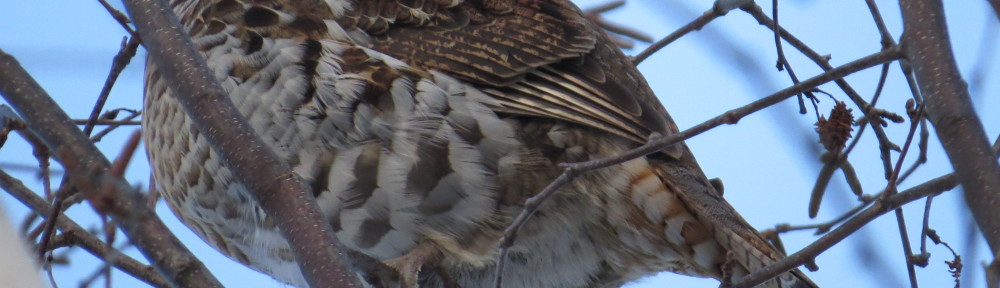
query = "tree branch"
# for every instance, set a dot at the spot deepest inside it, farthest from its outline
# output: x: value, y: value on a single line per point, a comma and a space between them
x: 882, y: 206
x: 734, y: 116
x: 79, y: 235
x: 868, y: 109
x: 879, y: 208
x: 949, y: 108
x: 572, y: 170
x: 705, y: 18
x: 276, y: 188
x: 107, y: 194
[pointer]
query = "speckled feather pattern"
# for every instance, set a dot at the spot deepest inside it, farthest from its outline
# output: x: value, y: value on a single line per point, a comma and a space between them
x: 427, y: 123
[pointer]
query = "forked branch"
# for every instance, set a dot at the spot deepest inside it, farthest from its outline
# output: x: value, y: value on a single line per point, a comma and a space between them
x: 88, y: 168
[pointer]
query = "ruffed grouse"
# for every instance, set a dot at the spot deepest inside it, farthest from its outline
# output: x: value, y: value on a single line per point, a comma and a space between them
x: 423, y: 125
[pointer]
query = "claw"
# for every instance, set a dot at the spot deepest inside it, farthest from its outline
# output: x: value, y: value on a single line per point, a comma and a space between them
x: 408, y: 266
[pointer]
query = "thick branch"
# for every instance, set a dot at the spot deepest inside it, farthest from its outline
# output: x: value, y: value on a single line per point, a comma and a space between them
x: 279, y: 191
x: 949, y: 107
x: 89, y: 243
x: 111, y: 195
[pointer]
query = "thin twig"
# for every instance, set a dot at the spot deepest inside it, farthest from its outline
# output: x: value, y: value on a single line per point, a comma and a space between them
x: 86, y: 166
x: 885, y: 145
x: 112, y: 126
x: 120, y: 17
x: 58, y: 208
x: 594, y: 15
x: 826, y: 226
x: 930, y: 188
x: 911, y: 82
x: 915, y: 116
x: 923, y: 258
x: 697, y: 24
x: 782, y: 63
x: 124, y: 56
x: 733, y: 116
x: 77, y: 235
x: 49, y: 226
x: 883, y: 76
x: 879, y: 208
x: 530, y: 206
x: 94, y: 276
x: 921, y: 148
x: 572, y: 170
x: 109, y: 122
x: 109, y: 236
x: 883, y: 30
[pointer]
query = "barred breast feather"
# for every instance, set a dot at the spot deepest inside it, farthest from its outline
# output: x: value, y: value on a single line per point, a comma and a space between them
x: 423, y: 125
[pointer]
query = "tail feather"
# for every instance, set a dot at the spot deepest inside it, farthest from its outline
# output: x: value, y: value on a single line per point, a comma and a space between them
x: 747, y: 250
x: 750, y: 253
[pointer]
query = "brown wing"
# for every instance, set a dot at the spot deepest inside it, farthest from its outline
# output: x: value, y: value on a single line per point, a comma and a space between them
x: 538, y: 57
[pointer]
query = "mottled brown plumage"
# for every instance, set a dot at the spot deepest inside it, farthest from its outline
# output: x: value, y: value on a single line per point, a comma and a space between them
x: 423, y: 125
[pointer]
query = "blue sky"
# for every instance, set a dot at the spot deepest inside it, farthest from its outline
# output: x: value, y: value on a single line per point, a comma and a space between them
x: 767, y: 161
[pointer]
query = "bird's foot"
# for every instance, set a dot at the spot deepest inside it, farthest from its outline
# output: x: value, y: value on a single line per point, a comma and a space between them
x: 408, y: 266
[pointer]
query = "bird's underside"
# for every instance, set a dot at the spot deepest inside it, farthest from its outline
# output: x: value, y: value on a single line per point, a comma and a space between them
x: 423, y: 125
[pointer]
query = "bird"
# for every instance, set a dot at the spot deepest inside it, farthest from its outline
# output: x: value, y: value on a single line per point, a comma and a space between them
x: 422, y: 126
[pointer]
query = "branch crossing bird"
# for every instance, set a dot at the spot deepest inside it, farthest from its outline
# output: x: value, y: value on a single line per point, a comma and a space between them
x: 423, y: 125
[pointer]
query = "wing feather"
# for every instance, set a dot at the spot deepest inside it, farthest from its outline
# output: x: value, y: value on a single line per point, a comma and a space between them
x: 538, y: 58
